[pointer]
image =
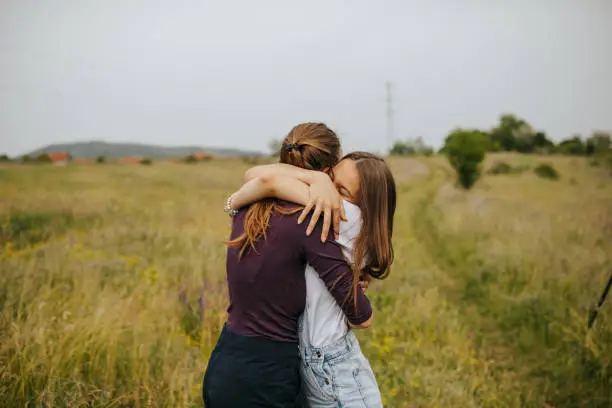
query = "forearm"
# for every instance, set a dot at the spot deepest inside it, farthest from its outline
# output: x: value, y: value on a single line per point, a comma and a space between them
x: 258, y: 188
x: 283, y: 170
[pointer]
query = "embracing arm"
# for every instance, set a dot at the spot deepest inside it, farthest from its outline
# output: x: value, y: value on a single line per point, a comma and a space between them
x: 268, y: 186
x: 323, y: 197
x: 285, y: 170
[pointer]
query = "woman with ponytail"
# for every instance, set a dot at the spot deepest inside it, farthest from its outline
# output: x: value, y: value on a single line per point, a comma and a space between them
x: 256, y: 361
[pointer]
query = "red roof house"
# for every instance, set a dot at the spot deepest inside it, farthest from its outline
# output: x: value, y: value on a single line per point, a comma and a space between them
x: 131, y: 160
x: 59, y: 157
x: 202, y: 156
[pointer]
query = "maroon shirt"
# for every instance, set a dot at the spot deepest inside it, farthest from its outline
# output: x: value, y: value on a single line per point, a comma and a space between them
x: 267, y: 287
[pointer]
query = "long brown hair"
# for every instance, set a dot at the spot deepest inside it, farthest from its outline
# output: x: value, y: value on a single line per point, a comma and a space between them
x: 377, y: 201
x: 311, y: 146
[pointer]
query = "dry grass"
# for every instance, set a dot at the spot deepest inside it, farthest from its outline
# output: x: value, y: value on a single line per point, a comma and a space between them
x: 112, y: 294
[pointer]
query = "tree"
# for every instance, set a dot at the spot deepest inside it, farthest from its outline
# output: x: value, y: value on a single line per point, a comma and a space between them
x: 101, y: 159
x: 466, y: 150
x: 43, y: 158
x: 542, y: 143
x: 401, y: 149
x: 598, y: 143
x: 513, y: 134
x: 574, y: 146
x: 275, y: 145
x: 411, y: 147
x: 191, y: 159
x: 4, y: 158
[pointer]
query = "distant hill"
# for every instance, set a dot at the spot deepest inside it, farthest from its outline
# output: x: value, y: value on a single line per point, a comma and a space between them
x: 118, y: 150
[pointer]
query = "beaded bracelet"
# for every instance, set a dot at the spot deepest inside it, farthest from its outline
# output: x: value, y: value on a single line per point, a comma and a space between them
x: 228, y: 207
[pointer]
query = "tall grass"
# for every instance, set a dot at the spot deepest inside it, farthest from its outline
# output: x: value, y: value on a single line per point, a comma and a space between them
x: 112, y: 286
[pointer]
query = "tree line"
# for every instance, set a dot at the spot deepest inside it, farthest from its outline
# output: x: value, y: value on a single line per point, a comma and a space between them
x: 514, y: 134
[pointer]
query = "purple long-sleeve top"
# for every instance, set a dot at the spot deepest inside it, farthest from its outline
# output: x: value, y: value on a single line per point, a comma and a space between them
x: 267, y: 287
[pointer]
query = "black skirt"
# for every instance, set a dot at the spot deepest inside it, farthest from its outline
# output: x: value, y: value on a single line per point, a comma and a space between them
x: 247, y: 371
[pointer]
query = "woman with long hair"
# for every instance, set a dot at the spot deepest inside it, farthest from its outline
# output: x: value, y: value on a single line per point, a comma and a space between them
x: 334, y: 371
x: 256, y: 362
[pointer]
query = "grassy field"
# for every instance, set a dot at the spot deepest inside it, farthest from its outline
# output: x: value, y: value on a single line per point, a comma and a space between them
x: 112, y: 289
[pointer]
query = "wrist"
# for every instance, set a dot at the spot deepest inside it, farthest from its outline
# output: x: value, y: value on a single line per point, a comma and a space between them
x: 229, y: 209
x: 316, y: 177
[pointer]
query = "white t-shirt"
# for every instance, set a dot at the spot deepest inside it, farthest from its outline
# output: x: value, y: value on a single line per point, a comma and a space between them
x: 326, y: 322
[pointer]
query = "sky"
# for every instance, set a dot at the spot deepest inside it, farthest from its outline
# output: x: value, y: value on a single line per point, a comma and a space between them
x: 240, y: 73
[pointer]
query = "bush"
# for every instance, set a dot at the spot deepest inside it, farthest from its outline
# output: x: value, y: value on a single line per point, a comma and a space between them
x: 501, y: 167
x: 43, y: 158
x: 100, y: 159
x: 197, y: 158
x: 602, y: 160
x: 466, y: 150
x: 547, y: 171
x: 411, y: 147
x: 146, y: 161
x: 428, y: 151
x: 402, y: 149
x: 5, y: 158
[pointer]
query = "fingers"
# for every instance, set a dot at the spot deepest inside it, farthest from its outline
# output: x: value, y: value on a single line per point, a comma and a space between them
x: 327, y: 214
x: 342, y: 213
x: 313, y: 220
x: 364, y: 285
x: 305, y: 211
x: 337, y: 224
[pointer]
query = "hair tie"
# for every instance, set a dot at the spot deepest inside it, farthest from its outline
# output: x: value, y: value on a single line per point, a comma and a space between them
x: 293, y: 146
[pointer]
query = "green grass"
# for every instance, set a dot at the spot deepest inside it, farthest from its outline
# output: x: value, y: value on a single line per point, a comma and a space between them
x: 112, y: 286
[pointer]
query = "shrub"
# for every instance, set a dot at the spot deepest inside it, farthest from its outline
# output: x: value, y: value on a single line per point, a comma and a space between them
x: 547, y: 171
x: 190, y: 159
x: 146, y: 161
x: 402, y: 149
x: 466, y: 150
x: 501, y: 167
x: 428, y: 151
x: 603, y: 160
x: 100, y: 159
x: 411, y: 147
x: 5, y: 158
x: 43, y: 158
x: 197, y: 158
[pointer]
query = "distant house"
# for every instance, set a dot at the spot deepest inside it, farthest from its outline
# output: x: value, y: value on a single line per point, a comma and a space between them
x: 202, y: 156
x: 131, y: 160
x: 59, y: 158
x: 198, y: 157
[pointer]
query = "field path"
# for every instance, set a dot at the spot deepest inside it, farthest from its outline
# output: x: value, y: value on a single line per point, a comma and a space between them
x: 497, y: 377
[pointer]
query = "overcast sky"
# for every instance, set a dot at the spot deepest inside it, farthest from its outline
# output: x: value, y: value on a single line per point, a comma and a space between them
x: 238, y: 73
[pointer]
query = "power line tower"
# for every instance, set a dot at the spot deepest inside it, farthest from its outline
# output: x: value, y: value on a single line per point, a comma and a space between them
x: 390, y: 129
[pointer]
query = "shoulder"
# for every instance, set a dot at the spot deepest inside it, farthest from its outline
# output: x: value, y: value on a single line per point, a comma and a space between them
x: 349, y: 229
x: 352, y: 212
